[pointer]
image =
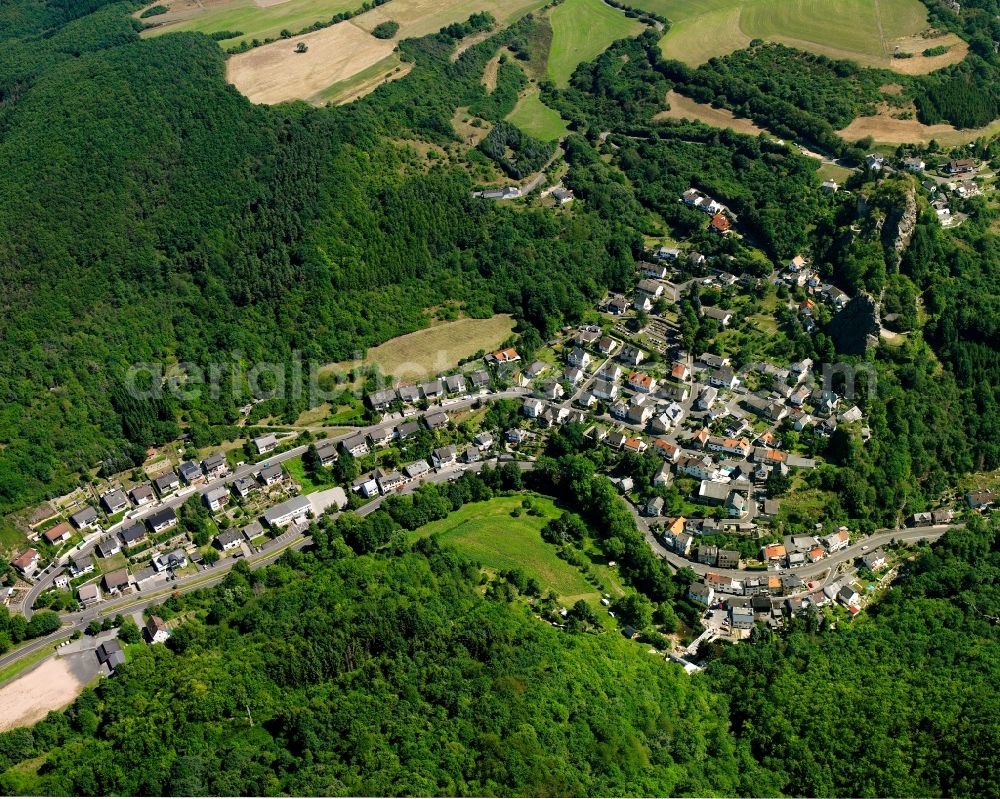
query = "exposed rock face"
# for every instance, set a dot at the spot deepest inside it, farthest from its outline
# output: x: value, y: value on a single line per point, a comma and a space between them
x: 856, y: 327
x: 898, y: 228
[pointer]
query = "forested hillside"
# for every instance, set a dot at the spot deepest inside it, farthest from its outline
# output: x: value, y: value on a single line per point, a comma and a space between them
x: 332, y: 673
x: 148, y: 212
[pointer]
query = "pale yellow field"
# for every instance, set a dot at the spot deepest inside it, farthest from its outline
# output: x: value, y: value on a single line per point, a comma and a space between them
x: 424, y: 353
x: 420, y: 17
x: 50, y: 686
x: 275, y: 73
x: 886, y: 130
x: 682, y: 107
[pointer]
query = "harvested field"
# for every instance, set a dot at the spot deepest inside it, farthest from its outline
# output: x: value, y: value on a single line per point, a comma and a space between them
x: 275, y: 73
x: 886, y: 130
x: 420, y: 17
x: 52, y: 685
x: 365, y: 82
x: 921, y: 64
x: 682, y: 107
x: 435, y: 349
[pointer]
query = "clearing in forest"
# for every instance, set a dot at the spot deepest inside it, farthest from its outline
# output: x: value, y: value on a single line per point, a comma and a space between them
x: 424, y: 353
x: 536, y: 119
x: 581, y: 30
x: 487, y: 533
x: 275, y: 73
x: 866, y: 31
x: 253, y: 19
x: 682, y: 107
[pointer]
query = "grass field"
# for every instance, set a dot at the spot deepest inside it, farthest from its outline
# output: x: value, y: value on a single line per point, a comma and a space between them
x: 581, y: 29
x: 435, y: 349
x: 487, y: 533
x: 863, y: 30
x: 536, y: 119
x: 255, y: 19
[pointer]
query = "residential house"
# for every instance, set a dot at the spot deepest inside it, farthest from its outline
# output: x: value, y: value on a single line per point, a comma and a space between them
x: 837, y: 541
x: 724, y: 377
x: 664, y: 477
x: 111, y: 654
x: 551, y: 390
x: 156, y: 630
x: 848, y: 596
x: 617, y: 306
x: 216, y: 498
x: 816, y: 554
x: 635, y: 445
x: 720, y: 224
x: 381, y: 400
x: 89, y: 594
x: 741, y: 618
x: 737, y: 504
x: 711, y: 492
x: 327, y: 454
x: 265, y: 443
x: 579, y: 358
x: 610, y: 372
x: 116, y: 581
x: 142, y: 495
x: 171, y: 561
x: 409, y: 393
x: 407, y: 430
x: 214, y: 466
x: 654, y: 507
x: 604, y: 390
x: 679, y: 371
x: 356, y: 444
x: 830, y: 186
x: 244, y: 486
x: 631, y: 356
x: 532, y: 408
x: 875, y: 560
x: 380, y: 436
x: 109, y: 546
x: 432, y: 390
x: 640, y: 381
x: 607, y: 345
x: 436, y: 420
x: 190, y: 472
x: 26, y: 563
x: 480, y: 379
x: 416, y: 469
x: 270, y: 475
x: 508, y: 355
x: 638, y: 414
x: 389, y: 481
x: 367, y: 486
x: 444, y: 456
x: 874, y: 162
x: 133, y: 534
x: 708, y: 554
x: 702, y: 593
x: 658, y: 271
x: 162, y: 520
x: 574, y: 376
x: 914, y: 164
x: 253, y: 530
x: 720, y: 315
x: 483, y: 439
x: 85, y: 519
x: 960, y: 166
x: 706, y: 398
x: 292, y: 510
x: 59, y: 533
x: 772, y: 552
x: 229, y: 539
x: 981, y: 498
x: 114, y: 501
x: 82, y: 565
x: 668, y: 450
x: 168, y: 482
x: 728, y: 559
x: 650, y: 287
x: 455, y: 384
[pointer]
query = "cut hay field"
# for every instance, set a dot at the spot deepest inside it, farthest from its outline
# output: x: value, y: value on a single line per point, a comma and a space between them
x: 682, y: 107
x: 435, y: 349
x: 420, y: 17
x: 260, y: 19
x: 486, y: 532
x: 275, y: 73
x: 581, y: 29
x: 886, y: 130
x: 536, y: 119
x: 866, y: 31
x: 365, y: 81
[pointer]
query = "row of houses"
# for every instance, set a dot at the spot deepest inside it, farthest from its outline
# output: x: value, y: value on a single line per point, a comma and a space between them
x: 432, y: 390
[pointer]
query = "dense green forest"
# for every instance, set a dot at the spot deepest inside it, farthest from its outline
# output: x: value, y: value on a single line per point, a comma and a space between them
x: 332, y: 673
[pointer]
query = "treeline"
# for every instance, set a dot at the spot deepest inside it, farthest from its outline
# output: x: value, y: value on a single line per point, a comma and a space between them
x: 381, y: 676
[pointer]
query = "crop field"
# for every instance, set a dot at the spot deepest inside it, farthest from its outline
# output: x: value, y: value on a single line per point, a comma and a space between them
x: 866, y: 31
x: 581, y: 29
x: 275, y: 73
x: 486, y: 532
x: 427, y: 352
x: 682, y: 107
x: 258, y: 19
x: 420, y: 17
x: 536, y: 119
